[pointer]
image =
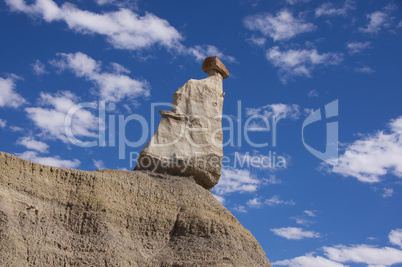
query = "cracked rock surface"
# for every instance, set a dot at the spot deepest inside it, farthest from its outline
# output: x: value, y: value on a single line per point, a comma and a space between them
x: 64, y: 217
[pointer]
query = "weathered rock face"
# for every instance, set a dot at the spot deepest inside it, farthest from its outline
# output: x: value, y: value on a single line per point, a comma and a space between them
x: 63, y: 217
x: 188, y: 141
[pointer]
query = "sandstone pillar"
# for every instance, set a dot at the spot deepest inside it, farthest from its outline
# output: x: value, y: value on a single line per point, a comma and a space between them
x: 188, y: 141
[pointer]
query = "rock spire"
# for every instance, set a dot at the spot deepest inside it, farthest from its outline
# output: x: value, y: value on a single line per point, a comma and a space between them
x: 188, y: 141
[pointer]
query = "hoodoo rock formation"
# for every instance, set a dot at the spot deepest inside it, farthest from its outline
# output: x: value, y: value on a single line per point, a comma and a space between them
x: 188, y: 141
x: 63, y: 217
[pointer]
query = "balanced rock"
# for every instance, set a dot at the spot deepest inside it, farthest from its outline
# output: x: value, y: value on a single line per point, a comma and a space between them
x: 188, y: 141
x: 63, y: 217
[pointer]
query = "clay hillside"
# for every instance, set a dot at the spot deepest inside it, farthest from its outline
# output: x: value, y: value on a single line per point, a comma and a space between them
x: 63, y: 217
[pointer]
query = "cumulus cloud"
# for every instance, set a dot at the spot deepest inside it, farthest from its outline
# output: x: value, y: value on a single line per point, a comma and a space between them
x: 16, y: 129
x: 395, y: 237
x: 373, y: 156
x: 32, y: 144
x: 369, y: 255
x: 219, y: 198
x: 312, y: 93
x: 273, y: 201
x: 294, y: 2
x: 310, y: 213
x: 3, y: 123
x: 328, y: 9
x: 300, y: 220
x: 259, y: 41
x: 99, y: 164
x: 8, y: 96
x: 291, y: 111
x: 201, y: 52
x: 305, y: 218
x: 50, y: 116
x: 38, y: 68
x: 112, y: 86
x: 294, y: 233
x: 357, y: 47
x: 364, y: 69
x: 50, y: 161
x: 309, y: 261
x: 254, y: 203
x: 388, y: 192
x: 123, y: 29
x: 378, y: 20
x: 300, y: 62
x: 240, y: 209
x: 236, y: 180
x: 283, y: 26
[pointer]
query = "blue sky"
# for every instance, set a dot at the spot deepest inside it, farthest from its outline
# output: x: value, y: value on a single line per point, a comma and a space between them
x: 287, y: 58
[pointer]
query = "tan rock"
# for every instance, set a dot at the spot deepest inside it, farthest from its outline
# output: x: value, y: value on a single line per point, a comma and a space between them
x: 188, y: 141
x: 213, y: 63
x: 63, y: 217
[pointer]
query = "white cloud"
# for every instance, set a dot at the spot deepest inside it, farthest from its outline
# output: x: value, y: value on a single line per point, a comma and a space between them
x: 254, y: 203
x: 291, y: 111
x: 294, y: 2
x: 32, y: 144
x: 236, y: 181
x: 99, y: 164
x: 301, y: 221
x: 240, y: 208
x: 219, y: 198
x: 305, y: 218
x: 395, y: 237
x: 259, y: 41
x: 112, y: 86
x: 201, y: 52
x: 388, y: 192
x: 52, y: 120
x: 272, y: 180
x: 309, y: 261
x: 364, y: 69
x: 104, y: 2
x: 38, y: 68
x: 357, y: 47
x: 369, y: 255
x: 283, y: 26
x: 373, y: 156
x: 377, y: 21
x: 301, y: 62
x: 16, y: 129
x: 312, y: 93
x: 3, y: 123
x: 328, y: 9
x: 123, y: 29
x: 50, y: 161
x: 295, y: 233
x: 310, y: 213
x: 8, y: 96
x: 273, y: 201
